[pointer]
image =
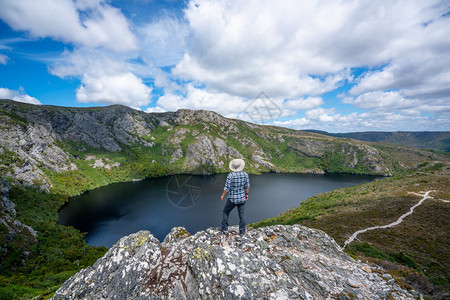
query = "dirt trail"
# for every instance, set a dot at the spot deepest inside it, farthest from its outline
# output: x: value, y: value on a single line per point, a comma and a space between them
x: 411, y: 210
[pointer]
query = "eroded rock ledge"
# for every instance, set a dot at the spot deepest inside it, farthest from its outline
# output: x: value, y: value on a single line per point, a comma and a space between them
x: 276, y: 262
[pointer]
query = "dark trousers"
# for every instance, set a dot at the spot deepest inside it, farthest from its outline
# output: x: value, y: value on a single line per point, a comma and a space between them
x: 226, y: 212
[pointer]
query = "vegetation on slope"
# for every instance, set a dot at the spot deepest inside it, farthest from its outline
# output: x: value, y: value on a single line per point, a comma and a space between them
x: 418, y: 247
x: 135, y: 163
x: 31, y: 270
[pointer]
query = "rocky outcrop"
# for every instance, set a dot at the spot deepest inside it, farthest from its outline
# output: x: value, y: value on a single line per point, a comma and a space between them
x: 101, y: 128
x: 33, y: 137
x: 309, y: 147
x: 189, y: 117
x: 100, y: 163
x: 276, y: 262
x: 209, y: 150
x: 29, y: 149
x: 349, y: 155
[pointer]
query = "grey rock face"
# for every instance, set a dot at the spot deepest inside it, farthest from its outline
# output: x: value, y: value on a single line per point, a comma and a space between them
x: 187, y: 116
x: 35, y: 139
x: 209, y: 150
x: 100, y: 163
x: 276, y: 262
x: 263, y: 161
x: 7, y: 206
x: 309, y: 147
x: 87, y: 129
x: 368, y: 157
x: 33, y: 146
x: 97, y: 127
x: 177, y: 154
x: 108, y: 127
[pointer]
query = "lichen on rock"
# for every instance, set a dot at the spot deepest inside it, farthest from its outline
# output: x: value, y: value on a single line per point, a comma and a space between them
x: 275, y: 262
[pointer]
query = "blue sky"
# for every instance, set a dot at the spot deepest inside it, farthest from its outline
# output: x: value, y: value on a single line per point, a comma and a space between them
x: 338, y: 66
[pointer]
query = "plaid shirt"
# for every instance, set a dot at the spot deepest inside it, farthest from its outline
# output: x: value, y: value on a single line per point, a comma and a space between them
x: 235, y: 185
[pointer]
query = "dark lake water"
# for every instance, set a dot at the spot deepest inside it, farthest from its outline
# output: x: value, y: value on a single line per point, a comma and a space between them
x: 111, y: 212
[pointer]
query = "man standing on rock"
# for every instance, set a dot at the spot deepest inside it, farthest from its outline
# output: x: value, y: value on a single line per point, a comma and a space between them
x: 237, y: 185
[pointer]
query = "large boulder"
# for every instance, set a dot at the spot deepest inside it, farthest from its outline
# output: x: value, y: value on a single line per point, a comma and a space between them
x: 276, y: 262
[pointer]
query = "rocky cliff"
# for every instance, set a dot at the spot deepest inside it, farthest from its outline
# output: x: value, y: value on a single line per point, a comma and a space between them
x: 77, y: 149
x: 276, y: 262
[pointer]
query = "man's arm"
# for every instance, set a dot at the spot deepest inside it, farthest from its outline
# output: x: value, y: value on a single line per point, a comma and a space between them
x: 227, y: 187
x: 247, y: 187
x: 223, y: 195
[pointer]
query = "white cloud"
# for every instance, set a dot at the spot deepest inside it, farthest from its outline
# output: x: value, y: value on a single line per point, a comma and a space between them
x: 85, y: 60
x: 104, y: 79
x: 198, y: 98
x: 293, y: 48
x: 394, y: 53
x: 394, y: 101
x: 163, y: 42
x: 293, y: 123
x: 84, y: 23
x: 3, y: 59
x: 240, y: 52
x: 382, y: 101
x: 371, y: 121
x: 321, y: 114
x: 418, y: 63
x: 155, y: 110
x: 124, y: 88
x: 260, y: 109
x: 19, y: 96
x: 304, y: 103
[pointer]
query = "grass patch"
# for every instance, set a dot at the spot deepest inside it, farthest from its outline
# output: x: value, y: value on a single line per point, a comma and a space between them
x: 135, y: 162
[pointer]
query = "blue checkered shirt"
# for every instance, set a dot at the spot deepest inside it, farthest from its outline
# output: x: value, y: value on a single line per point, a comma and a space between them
x: 235, y: 185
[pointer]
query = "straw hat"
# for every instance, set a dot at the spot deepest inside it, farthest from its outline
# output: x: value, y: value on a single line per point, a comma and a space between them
x: 237, y: 165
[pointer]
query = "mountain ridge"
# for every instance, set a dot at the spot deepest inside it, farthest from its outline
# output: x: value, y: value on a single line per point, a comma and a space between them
x: 44, y: 146
x: 436, y: 140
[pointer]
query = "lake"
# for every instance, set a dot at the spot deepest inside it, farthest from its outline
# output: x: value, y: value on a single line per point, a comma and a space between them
x: 108, y: 213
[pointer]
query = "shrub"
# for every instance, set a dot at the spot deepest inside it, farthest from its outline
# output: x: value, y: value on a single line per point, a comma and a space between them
x: 6, y: 293
x: 403, y: 259
x: 368, y: 250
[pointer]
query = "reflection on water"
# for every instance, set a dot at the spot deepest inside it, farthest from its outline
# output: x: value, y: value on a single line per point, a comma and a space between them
x: 159, y: 204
